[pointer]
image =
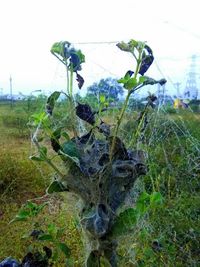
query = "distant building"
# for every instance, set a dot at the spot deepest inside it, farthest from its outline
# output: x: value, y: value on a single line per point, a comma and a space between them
x: 8, y: 97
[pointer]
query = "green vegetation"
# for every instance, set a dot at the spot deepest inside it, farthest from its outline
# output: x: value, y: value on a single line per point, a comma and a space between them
x: 158, y: 223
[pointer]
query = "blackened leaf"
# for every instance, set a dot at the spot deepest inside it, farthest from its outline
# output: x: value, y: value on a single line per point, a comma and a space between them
x: 75, y: 62
x: 84, y: 112
x: 56, y: 186
x: 162, y: 81
x: 147, y: 60
x: 104, y: 128
x: 80, y: 80
x: 86, y: 137
x: 129, y: 74
x: 156, y: 246
x: 146, y: 63
x: 152, y: 98
x: 55, y: 139
x: 10, y: 262
x: 51, y: 102
x: 35, y: 233
x: 151, y: 81
x: 48, y: 252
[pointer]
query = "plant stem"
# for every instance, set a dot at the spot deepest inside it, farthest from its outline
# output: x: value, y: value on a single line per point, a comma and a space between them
x: 35, y: 141
x: 118, y: 124
x: 71, y: 100
x: 139, y: 60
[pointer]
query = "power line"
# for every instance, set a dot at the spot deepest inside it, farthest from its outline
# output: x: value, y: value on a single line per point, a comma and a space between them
x: 93, y: 43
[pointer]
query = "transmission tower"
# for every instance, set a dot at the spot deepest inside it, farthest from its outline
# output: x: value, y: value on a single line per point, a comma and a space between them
x: 161, y: 94
x: 191, y: 90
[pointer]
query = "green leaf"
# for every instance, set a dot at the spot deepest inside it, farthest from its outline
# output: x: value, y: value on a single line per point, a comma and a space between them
x: 122, y: 80
x: 42, y: 155
x: 131, y: 83
x: 142, y: 79
x: 125, y: 222
x: 52, y: 229
x: 41, y: 207
x: 81, y: 56
x: 156, y: 199
x: 55, y: 255
x: 57, y: 133
x: 125, y: 79
x: 51, y: 100
x: 143, y: 203
x: 30, y: 205
x: 56, y: 186
x: 59, y: 48
x: 38, y: 117
x: 43, y: 152
x: 66, y: 136
x: 70, y: 149
x: 45, y: 237
x: 102, y: 99
x: 36, y: 158
x: 21, y: 216
x: 65, y: 249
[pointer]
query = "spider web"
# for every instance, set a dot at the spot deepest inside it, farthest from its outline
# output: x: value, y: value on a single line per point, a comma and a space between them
x: 170, y: 142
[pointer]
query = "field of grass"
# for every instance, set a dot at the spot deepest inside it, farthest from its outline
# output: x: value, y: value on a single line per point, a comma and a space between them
x: 167, y: 236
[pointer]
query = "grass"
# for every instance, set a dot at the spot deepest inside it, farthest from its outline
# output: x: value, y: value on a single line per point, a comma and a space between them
x: 21, y: 180
x: 167, y: 236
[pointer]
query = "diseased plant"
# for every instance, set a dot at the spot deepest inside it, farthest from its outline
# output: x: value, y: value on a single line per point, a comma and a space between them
x: 97, y: 165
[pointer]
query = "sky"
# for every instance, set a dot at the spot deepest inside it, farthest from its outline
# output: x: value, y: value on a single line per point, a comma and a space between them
x: 28, y: 29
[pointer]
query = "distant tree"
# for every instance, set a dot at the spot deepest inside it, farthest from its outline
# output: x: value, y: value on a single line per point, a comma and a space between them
x: 108, y: 87
x: 136, y: 104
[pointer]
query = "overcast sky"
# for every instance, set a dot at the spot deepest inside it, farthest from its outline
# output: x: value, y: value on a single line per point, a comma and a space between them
x: 28, y: 28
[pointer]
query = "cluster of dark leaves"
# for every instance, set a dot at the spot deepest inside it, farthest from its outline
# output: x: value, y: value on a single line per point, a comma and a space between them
x: 71, y: 57
x: 36, y: 259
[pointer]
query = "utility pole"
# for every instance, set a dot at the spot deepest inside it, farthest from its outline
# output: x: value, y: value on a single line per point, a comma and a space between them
x: 11, y: 93
x: 177, y: 86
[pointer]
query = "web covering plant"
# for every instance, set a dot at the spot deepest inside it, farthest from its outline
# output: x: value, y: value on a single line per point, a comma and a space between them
x: 97, y: 165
